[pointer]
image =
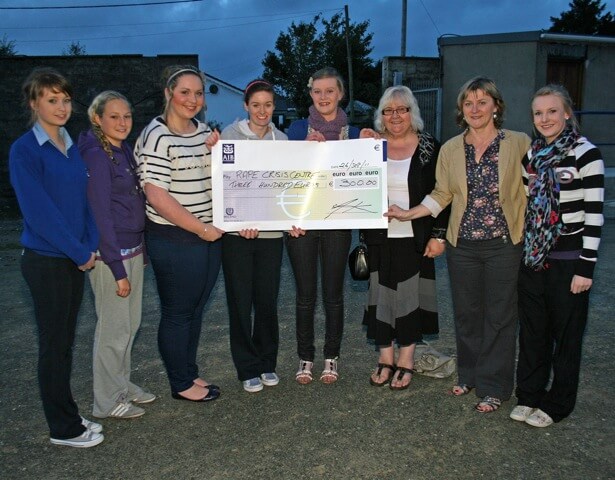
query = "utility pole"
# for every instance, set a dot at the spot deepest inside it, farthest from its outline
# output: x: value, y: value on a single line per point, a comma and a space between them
x: 404, y: 15
x: 349, y: 56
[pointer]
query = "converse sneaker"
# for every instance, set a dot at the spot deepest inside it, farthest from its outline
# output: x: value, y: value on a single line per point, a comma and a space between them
x: 253, y: 385
x: 269, y: 379
x: 87, y: 439
x: 92, y: 426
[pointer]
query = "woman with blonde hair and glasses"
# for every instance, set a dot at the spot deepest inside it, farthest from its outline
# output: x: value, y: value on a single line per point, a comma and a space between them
x: 182, y: 243
x: 479, y: 175
x: 401, y: 305
x: 118, y: 206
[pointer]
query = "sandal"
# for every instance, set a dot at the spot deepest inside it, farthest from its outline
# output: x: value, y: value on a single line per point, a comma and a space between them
x: 488, y: 404
x: 460, y: 389
x: 329, y: 374
x: 304, y: 374
x: 381, y: 367
x: 399, y: 374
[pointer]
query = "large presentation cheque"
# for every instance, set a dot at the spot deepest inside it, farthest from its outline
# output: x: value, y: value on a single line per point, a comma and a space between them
x: 273, y: 185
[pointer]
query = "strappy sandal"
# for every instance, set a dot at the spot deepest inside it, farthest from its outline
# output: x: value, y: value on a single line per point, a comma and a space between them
x: 381, y: 367
x: 488, y: 404
x: 399, y: 374
x: 330, y: 373
x: 461, y: 389
x: 304, y: 374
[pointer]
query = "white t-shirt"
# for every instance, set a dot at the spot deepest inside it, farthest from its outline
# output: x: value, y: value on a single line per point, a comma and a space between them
x: 397, y: 188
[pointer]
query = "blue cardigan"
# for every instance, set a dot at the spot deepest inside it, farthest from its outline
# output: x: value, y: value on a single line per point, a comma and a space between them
x: 51, y: 191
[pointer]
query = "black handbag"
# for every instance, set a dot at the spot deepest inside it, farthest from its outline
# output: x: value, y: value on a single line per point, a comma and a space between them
x: 357, y: 261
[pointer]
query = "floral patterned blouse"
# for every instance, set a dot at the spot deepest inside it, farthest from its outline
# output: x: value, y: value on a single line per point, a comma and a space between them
x: 483, y: 218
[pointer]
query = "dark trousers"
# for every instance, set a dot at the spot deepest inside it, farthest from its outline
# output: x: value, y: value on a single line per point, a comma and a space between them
x: 252, y: 281
x: 483, y: 278
x: 56, y: 285
x: 332, y: 247
x: 185, y: 276
x: 552, y: 321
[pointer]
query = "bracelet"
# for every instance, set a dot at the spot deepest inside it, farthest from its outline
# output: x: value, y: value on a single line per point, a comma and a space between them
x: 440, y: 240
x: 201, y: 235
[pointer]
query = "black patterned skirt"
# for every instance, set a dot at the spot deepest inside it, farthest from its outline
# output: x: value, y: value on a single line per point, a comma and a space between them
x: 401, y: 303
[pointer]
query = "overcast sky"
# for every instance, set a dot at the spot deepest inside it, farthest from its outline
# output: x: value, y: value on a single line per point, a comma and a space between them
x: 231, y: 37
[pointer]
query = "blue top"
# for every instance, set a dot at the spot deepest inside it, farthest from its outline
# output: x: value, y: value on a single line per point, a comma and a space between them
x: 51, y: 191
x: 299, y: 128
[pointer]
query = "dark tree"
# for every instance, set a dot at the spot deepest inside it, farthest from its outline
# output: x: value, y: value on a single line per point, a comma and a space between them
x: 307, y: 47
x: 585, y: 17
x: 7, y: 47
x: 75, y: 49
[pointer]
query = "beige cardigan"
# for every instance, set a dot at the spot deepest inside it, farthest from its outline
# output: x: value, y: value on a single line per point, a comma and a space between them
x: 452, y: 184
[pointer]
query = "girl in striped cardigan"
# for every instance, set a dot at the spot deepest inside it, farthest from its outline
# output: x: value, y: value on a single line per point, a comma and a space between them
x: 564, y: 177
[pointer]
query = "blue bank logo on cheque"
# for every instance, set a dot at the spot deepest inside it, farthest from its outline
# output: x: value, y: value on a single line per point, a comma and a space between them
x: 228, y: 153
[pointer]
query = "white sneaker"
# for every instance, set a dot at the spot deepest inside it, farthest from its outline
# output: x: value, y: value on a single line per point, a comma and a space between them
x: 85, y: 440
x: 539, y: 419
x: 253, y: 385
x: 270, y: 379
x: 521, y: 412
x: 92, y: 426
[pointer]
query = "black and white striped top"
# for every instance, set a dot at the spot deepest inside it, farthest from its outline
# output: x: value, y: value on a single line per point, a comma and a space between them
x: 581, y: 181
x: 181, y: 164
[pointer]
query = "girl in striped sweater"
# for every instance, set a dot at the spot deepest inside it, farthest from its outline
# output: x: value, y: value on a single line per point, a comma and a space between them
x: 564, y: 177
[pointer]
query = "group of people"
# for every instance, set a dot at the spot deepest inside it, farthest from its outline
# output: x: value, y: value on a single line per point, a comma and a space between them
x: 105, y: 208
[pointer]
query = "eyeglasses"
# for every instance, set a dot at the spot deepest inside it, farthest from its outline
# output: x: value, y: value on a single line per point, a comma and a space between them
x: 387, y: 112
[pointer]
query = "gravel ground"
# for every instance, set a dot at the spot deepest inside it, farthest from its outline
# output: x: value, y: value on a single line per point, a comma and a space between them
x: 348, y: 430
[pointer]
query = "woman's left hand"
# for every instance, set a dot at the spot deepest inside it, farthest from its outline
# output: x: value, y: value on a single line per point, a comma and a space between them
x: 580, y: 284
x: 213, y: 138
x: 434, y: 248
x: 249, y: 233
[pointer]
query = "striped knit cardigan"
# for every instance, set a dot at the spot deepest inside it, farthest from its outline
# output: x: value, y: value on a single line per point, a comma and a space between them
x: 581, y: 181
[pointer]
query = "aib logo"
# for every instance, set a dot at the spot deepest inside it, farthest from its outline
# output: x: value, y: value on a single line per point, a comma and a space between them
x: 285, y: 199
x: 229, y: 211
x: 228, y: 153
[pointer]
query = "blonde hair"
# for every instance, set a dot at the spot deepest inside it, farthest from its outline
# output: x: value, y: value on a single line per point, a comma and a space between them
x: 404, y: 94
x: 170, y: 77
x: 97, y: 107
x: 328, y: 72
x: 561, y: 92
x: 488, y: 86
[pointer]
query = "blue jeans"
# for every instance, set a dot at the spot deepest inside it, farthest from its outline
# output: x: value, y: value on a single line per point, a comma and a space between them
x: 186, y: 273
x: 332, y: 246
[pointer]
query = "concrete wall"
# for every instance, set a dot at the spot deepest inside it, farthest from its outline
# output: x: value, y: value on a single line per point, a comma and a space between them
x: 518, y: 64
x: 416, y: 72
x: 511, y: 66
x: 137, y: 77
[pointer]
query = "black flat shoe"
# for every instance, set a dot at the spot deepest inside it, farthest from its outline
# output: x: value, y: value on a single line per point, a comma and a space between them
x: 211, y: 395
x: 211, y: 386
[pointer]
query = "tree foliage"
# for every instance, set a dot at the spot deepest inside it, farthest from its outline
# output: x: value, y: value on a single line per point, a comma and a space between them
x: 585, y: 17
x: 7, y: 47
x: 307, y: 47
x: 75, y: 49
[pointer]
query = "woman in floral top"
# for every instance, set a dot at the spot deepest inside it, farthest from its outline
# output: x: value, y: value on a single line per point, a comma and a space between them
x: 479, y: 174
